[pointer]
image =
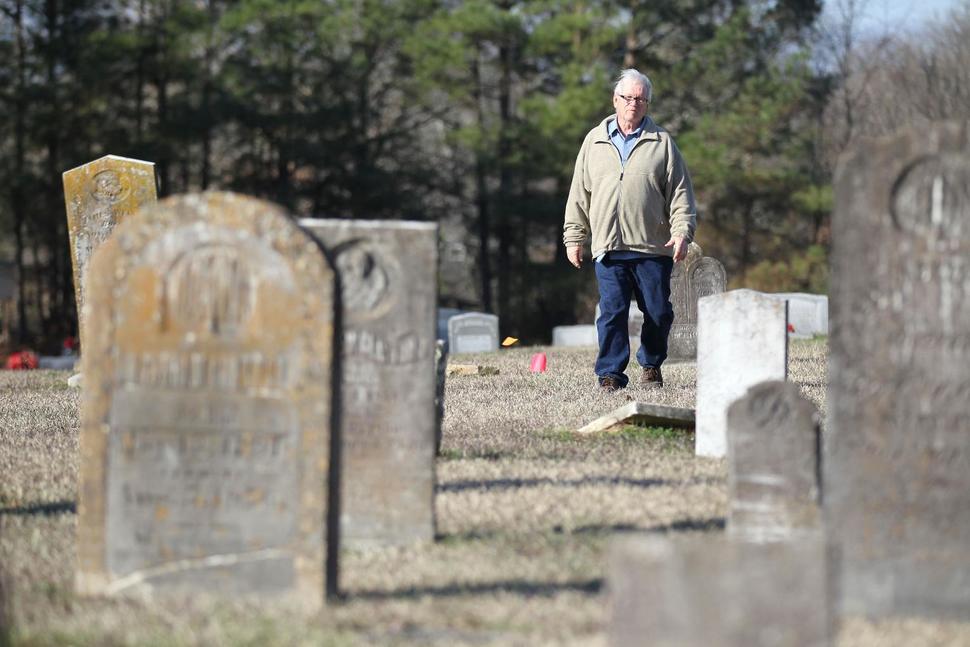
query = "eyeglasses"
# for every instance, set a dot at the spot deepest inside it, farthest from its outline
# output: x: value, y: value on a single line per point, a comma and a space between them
x: 636, y: 100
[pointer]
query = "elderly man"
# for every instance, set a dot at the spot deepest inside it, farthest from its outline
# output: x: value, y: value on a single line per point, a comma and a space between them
x: 631, y: 194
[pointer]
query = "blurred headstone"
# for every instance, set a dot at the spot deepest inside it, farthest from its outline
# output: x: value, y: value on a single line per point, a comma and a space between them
x: 473, y: 332
x: 206, y: 413
x: 896, y: 468
x: 99, y: 195
x: 583, y: 335
x: 714, y: 590
x: 388, y: 434
x: 773, y: 464
x: 808, y: 314
x: 742, y: 340
x: 695, y: 277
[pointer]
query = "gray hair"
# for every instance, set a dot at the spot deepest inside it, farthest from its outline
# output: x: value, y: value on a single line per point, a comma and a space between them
x: 637, y: 77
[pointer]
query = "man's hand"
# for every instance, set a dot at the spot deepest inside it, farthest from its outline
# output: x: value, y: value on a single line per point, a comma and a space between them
x: 575, y: 255
x: 680, y: 247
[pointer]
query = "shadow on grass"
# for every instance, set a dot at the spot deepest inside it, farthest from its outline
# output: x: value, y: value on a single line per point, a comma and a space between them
x: 518, y: 587
x: 55, y: 507
x: 508, y: 483
x: 712, y: 524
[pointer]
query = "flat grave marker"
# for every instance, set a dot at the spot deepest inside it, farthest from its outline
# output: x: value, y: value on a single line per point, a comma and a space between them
x: 642, y: 414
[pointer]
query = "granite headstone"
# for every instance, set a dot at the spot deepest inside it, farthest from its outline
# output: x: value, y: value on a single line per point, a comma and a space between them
x: 695, y: 277
x: 387, y: 273
x: 582, y: 335
x: 473, y: 332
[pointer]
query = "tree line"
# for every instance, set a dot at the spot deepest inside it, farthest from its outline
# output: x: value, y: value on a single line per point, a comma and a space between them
x: 466, y: 113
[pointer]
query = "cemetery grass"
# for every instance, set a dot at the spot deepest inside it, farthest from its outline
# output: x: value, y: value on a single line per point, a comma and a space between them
x: 525, y: 507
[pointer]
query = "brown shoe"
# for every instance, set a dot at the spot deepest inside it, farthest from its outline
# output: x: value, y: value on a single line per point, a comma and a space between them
x: 651, y: 378
x: 610, y: 384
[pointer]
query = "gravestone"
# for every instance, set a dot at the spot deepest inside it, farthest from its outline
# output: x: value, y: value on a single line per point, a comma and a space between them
x: 473, y: 332
x: 583, y: 335
x: 808, y: 314
x: 742, y: 340
x: 692, y: 279
x: 99, y: 195
x: 773, y: 464
x: 715, y: 590
x: 206, y: 414
x: 388, y: 273
x: 896, y: 466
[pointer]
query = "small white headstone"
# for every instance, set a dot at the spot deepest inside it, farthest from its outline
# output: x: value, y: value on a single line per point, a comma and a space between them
x: 742, y: 341
x: 808, y: 314
x: 575, y: 336
x: 474, y: 332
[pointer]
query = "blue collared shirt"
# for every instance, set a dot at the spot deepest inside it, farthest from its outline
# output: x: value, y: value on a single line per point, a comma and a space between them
x: 624, y: 145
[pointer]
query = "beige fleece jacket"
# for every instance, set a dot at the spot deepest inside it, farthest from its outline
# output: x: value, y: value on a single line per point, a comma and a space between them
x: 637, y: 207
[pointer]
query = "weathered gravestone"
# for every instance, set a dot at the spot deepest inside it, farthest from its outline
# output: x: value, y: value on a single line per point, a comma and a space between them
x: 388, y: 283
x: 99, y: 195
x: 897, y: 450
x: 473, y: 332
x: 773, y: 464
x: 695, y: 277
x: 716, y: 590
x: 575, y: 336
x: 206, y: 419
x: 742, y: 340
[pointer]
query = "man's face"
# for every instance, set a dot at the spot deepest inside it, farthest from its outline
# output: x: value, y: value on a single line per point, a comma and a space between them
x: 631, y: 111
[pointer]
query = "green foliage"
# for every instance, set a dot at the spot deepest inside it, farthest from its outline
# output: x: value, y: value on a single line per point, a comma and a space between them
x: 807, y: 271
x: 469, y: 113
x: 669, y: 438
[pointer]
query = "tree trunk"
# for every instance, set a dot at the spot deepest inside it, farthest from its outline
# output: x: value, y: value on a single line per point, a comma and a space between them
x: 481, y: 190
x: 18, y: 206
x: 505, y: 185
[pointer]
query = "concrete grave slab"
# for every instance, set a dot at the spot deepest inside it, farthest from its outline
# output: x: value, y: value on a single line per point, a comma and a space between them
x: 642, y: 414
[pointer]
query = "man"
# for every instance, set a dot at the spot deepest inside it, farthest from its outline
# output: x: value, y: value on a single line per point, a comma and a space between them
x: 631, y: 194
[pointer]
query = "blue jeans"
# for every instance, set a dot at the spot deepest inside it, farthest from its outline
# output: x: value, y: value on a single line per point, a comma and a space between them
x: 647, y: 279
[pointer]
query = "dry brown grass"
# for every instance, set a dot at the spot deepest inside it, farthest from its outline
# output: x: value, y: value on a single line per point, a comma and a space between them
x: 525, y: 508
